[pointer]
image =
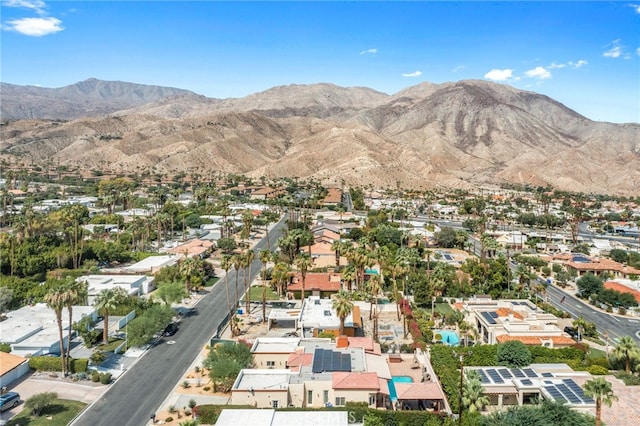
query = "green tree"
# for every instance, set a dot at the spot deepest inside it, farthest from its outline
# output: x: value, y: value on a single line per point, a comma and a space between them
x: 106, y: 302
x: 171, y: 292
x: 343, y: 307
x: 39, y: 402
x: 626, y: 348
x: 226, y: 264
x: 514, y: 354
x: 225, y: 361
x: 446, y: 238
x: 473, y: 397
x: 227, y: 244
x: 56, y: 299
x: 600, y: 390
x: 589, y: 284
x: 304, y: 263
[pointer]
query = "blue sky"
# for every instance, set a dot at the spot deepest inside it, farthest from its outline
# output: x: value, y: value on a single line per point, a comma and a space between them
x: 583, y: 54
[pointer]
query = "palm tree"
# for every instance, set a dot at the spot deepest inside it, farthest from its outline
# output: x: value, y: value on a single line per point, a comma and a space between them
x: 106, y: 301
x: 265, y: 257
x: 190, y: 267
x: 280, y: 276
x: 626, y: 348
x: 343, y: 307
x: 56, y: 300
x: 225, y: 264
x: 472, y: 393
x: 580, y: 324
x: 248, y: 260
x: 303, y: 262
x: 375, y: 287
x: 75, y: 293
x: 600, y: 390
x: 349, y: 275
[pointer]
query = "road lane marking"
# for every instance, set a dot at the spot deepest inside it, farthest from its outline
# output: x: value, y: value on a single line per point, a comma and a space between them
x: 615, y: 318
x: 634, y: 321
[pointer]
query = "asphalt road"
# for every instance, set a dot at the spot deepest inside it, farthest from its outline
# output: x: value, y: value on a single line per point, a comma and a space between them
x: 140, y: 391
x: 607, y: 324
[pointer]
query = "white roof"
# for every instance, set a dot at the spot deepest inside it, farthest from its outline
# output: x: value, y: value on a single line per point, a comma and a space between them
x: 272, y: 379
x: 275, y: 345
x: 269, y: 417
x: 319, y: 313
x: 154, y: 262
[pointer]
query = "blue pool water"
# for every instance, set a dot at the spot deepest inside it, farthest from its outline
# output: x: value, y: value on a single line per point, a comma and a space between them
x: 392, y: 387
x: 448, y: 337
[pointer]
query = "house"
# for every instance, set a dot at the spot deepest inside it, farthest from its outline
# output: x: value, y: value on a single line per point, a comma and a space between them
x: 319, y: 284
x: 273, y: 352
x: 333, y: 198
x: 498, y: 321
x: 12, y: 367
x: 581, y: 264
x: 152, y: 264
x: 318, y: 316
x: 267, y: 193
x: 194, y: 248
x: 133, y: 285
x: 519, y: 386
x: 625, y: 286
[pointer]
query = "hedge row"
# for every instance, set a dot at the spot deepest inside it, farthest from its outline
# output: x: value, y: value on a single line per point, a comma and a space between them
x: 50, y: 363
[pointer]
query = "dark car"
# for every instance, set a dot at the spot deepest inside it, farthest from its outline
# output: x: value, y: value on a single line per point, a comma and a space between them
x: 9, y: 400
x: 170, y: 330
x: 571, y: 331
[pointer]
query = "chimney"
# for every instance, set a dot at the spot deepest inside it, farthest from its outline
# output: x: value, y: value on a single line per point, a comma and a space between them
x: 342, y: 342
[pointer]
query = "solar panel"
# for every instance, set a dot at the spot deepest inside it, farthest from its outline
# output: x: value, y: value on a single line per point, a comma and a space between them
x: 576, y: 389
x: 495, y: 377
x: 488, y: 317
x: 328, y: 360
x: 517, y: 372
x: 526, y: 382
x: 547, y: 375
x: 483, y: 377
x: 494, y: 314
x: 568, y: 394
x: 529, y: 372
x: 555, y: 394
x: 505, y: 373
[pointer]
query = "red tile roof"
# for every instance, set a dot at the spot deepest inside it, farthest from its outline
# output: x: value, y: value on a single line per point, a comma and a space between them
x: 344, y: 380
x: 429, y: 390
x: 504, y: 312
x: 316, y: 281
x: 612, y: 285
x: 299, y: 359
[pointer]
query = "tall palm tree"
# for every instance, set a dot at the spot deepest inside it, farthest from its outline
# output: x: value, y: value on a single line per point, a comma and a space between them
x: 225, y: 264
x: 375, y: 287
x: 56, y: 300
x: 303, y: 262
x: 580, y: 324
x: 280, y: 276
x: 75, y: 293
x: 349, y: 275
x: 343, y: 307
x: 107, y: 301
x: 190, y: 267
x: 237, y: 262
x: 248, y: 260
x: 626, y: 348
x: 600, y: 390
x: 265, y: 257
x: 472, y: 393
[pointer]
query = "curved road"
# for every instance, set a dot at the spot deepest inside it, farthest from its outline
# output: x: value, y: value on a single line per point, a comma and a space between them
x: 140, y: 391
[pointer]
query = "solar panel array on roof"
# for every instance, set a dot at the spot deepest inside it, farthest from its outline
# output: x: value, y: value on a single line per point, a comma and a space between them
x: 567, y: 393
x: 483, y: 377
x: 547, y: 374
x: 506, y: 374
x: 526, y: 382
x: 328, y: 360
x: 578, y: 391
x: 488, y: 317
x: 529, y: 372
x: 448, y: 257
x: 494, y: 314
x: 495, y: 377
x: 555, y: 394
x: 517, y: 372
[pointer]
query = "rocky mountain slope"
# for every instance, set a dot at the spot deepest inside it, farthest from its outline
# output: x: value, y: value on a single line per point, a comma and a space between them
x: 452, y: 134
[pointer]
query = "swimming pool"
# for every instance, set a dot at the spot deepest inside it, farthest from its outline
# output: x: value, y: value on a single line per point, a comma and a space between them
x: 392, y: 387
x: 448, y: 337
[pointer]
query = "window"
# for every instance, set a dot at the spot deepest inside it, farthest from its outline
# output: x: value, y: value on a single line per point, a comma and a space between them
x: 325, y: 397
x: 271, y: 364
x: 309, y: 397
x: 340, y: 401
x: 274, y: 404
x: 372, y: 399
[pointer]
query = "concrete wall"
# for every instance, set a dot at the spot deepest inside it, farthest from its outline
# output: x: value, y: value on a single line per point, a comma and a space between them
x: 260, y: 360
x: 260, y: 398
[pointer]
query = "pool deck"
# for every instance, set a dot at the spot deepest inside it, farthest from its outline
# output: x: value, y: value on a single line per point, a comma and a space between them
x: 407, y: 367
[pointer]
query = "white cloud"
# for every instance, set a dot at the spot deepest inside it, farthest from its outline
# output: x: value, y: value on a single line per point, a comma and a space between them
x: 369, y: 51
x: 499, y: 75
x: 615, y: 51
x: 36, y: 5
x: 556, y: 66
x: 638, y: 51
x: 413, y: 74
x: 458, y: 68
x: 35, y: 27
x: 636, y: 7
x: 578, y: 64
x: 538, y: 72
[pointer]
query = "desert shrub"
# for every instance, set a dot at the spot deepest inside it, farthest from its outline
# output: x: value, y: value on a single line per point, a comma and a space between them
x: 168, y: 419
x: 185, y: 384
x: 597, y: 370
x: 105, y: 378
x: 5, y: 347
x: 39, y: 402
x: 95, y: 377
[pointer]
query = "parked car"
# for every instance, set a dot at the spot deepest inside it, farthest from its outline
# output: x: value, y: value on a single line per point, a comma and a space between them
x: 9, y: 400
x: 170, y: 330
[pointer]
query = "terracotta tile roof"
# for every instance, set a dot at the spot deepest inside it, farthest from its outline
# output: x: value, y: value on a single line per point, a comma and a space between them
x: 334, y: 196
x: 344, y: 380
x: 193, y: 248
x: 9, y: 361
x: 603, y: 265
x: 504, y: 312
x: 612, y: 285
x: 428, y: 390
x: 384, y: 386
x: 365, y: 343
x: 319, y: 248
x: 299, y: 359
x: 316, y: 281
x: 536, y: 340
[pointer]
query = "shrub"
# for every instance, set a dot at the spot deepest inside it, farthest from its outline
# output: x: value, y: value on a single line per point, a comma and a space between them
x: 78, y: 365
x: 514, y: 354
x: 206, y: 388
x: 50, y: 363
x: 192, y: 403
x: 168, y: 419
x: 597, y: 370
x: 95, y: 377
x: 5, y: 347
x: 105, y: 378
x: 171, y: 409
x: 39, y: 402
x: 185, y: 384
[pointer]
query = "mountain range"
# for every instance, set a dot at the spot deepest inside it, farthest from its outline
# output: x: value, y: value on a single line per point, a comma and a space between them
x: 454, y: 135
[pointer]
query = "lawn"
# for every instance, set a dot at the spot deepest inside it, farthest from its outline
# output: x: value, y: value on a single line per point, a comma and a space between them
x: 596, y: 353
x: 256, y: 294
x: 443, y: 309
x: 113, y: 344
x: 62, y: 411
x: 211, y: 281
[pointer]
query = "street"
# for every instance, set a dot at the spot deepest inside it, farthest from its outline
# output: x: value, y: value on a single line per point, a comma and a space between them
x: 140, y: 391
